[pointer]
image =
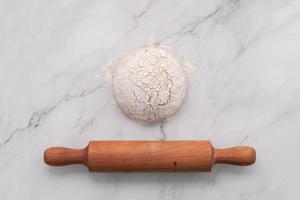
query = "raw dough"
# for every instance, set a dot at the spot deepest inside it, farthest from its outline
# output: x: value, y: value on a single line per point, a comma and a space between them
x: 149, y: 84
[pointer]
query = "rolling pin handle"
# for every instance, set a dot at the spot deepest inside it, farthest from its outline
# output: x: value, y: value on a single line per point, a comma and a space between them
x: 59, y: 156
x: 240, y: 155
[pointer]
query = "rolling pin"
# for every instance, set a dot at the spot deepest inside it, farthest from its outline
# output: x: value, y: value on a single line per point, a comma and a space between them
x: 149, y: 156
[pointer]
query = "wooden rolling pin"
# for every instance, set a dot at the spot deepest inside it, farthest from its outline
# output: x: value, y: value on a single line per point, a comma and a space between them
x: 149, y: 156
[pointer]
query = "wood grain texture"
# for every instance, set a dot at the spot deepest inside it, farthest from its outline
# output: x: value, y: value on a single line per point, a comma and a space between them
x: 149, y: 156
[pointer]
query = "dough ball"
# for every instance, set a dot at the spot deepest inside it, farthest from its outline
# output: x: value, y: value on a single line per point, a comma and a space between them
x: 149, y: 84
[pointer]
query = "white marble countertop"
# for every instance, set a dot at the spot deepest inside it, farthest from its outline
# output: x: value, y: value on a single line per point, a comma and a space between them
x: 245, y: 91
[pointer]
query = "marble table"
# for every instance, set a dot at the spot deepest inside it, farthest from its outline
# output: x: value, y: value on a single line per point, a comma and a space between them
x: 245, y: 90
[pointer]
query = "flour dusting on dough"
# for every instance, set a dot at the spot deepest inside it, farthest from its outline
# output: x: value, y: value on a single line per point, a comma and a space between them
x: 149, y: 84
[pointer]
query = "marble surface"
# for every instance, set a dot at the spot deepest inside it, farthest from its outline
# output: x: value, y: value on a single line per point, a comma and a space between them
x: 245, y: 90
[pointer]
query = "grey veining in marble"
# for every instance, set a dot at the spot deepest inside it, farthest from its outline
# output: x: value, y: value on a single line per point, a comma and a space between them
x: 245, y: 90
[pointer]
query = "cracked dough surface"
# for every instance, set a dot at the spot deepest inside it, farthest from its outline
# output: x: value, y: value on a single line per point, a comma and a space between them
x: 149, y: 84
